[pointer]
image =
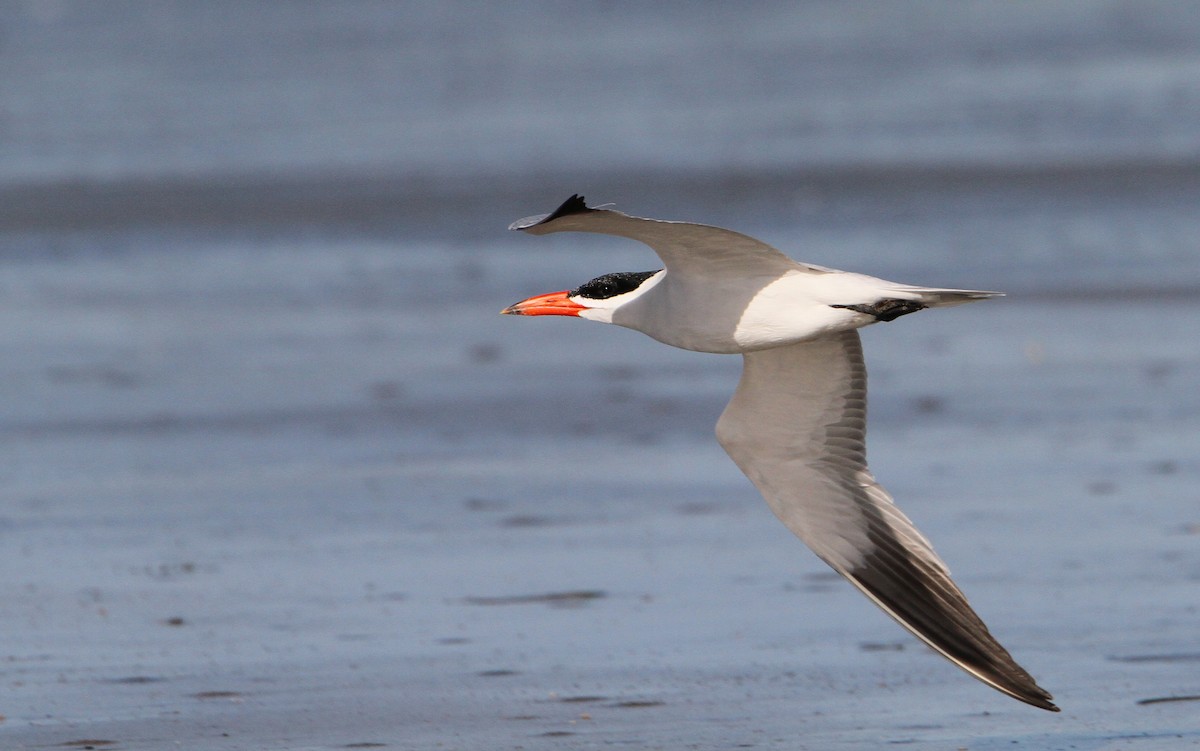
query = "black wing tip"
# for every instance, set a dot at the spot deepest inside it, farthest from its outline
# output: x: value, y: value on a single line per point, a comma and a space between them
x: 909, y: 591
x: 1040, y: 700
x: 1029, y: 692
x: 1047, y: 705
x: 573, y: 205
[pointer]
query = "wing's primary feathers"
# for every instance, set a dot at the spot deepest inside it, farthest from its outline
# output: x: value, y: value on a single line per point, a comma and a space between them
x: 797, y: 427
x: 684, y: 247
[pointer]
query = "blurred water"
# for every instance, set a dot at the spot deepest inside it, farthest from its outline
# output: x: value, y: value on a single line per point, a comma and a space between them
x: 251, y: 256
x: 118, y: 90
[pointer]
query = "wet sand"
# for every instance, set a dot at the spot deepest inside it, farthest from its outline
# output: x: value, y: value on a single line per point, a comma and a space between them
x: 240, y: 514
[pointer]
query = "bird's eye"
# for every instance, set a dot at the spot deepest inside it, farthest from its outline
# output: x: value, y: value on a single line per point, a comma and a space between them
x: 611, y: 285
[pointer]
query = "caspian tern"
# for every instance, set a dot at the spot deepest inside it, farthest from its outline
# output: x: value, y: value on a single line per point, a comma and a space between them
x: 796, y: 425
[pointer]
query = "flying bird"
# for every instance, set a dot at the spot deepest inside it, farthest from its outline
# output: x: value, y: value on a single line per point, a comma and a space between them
x: 796, y: 425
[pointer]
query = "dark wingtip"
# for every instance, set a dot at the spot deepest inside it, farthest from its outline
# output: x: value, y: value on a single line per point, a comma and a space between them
x: 573, y: 205
x: 1034, y: 695
x: 924, y: 600
x: 1039, y: 702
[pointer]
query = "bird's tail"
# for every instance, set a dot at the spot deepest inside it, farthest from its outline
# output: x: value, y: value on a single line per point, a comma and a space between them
x: 943, y: 298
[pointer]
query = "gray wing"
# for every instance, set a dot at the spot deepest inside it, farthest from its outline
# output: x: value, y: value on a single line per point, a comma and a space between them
x: 797, y: 427
x: 682, y: 246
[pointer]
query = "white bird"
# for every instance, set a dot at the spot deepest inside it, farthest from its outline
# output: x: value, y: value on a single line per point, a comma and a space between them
x: 796, y: 425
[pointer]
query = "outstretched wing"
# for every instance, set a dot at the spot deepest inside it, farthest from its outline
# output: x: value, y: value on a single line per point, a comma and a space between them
x: 683, y: 247
x: 797, y: 427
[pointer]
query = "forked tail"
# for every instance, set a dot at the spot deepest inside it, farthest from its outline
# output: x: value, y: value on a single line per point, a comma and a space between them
x: 944, y: 298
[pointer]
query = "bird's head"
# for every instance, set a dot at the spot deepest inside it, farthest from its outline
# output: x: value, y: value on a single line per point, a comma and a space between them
x: 596, y: 300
